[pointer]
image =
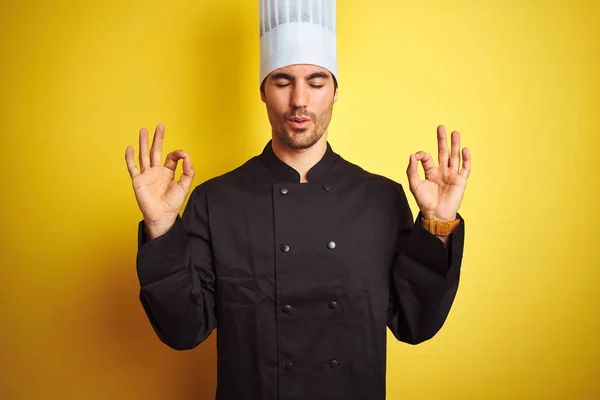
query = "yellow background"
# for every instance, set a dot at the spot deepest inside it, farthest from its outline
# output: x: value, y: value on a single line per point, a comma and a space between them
x: 519, y: 80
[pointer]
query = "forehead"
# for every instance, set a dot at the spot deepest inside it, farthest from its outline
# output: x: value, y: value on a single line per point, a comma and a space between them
x: 301, y: 70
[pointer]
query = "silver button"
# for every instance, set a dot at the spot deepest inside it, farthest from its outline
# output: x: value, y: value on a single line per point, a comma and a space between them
x: 283, y: 190
x: 331, y: 245
x: 285, y: 248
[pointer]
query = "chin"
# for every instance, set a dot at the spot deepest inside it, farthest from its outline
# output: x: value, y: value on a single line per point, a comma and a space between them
x: 300, y: 139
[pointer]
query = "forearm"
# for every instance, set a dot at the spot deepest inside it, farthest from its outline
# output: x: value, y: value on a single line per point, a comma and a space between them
x: 179, y: 307
x: 180, y: 320
x: 425, y: 282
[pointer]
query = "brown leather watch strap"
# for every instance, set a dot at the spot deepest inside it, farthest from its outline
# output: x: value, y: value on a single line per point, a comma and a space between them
x: 440, y: 228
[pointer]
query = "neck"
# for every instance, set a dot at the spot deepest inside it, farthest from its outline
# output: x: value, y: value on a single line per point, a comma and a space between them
x: 302, y: 160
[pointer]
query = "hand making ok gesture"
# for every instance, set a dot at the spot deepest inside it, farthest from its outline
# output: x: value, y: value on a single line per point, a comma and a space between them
x: 440, y: 194
x: 159, y: 196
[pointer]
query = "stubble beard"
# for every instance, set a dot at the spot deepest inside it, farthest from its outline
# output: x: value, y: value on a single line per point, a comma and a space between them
x: 307, y: 137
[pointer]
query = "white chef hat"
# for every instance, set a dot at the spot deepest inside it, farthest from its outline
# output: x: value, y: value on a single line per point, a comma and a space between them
x: 297, y: 32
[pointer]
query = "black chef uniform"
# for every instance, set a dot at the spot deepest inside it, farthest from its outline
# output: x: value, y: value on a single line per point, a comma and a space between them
x: 300, y: 280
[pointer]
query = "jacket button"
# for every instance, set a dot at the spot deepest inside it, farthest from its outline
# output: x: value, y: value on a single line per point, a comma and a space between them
x: 333, y: 363
x: 289, y: 366
x: 283, y: 190
x: 333, y: 305
x: 331, y: 245
x: 327, y: 188
x: 285, y: 248
x: 287, y: 309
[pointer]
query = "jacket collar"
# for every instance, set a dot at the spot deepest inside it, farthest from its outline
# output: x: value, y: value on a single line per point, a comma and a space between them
x: 318, y: 173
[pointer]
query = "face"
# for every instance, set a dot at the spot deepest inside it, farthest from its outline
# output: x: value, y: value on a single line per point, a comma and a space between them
x: 299, y: 101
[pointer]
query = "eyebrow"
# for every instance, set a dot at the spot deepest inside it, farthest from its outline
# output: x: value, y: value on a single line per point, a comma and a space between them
x: 282, y: 75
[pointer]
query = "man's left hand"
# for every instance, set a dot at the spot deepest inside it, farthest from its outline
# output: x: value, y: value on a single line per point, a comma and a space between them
x: 440, y: 194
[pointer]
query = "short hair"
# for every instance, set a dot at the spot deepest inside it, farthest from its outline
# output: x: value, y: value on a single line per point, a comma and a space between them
x: 335, y: 84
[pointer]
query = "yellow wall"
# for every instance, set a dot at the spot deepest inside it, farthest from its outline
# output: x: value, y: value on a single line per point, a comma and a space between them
x: 518, y: 79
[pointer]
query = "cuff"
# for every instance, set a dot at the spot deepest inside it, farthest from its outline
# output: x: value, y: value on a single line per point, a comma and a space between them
x: 428, y: 249
x: 163, y: 256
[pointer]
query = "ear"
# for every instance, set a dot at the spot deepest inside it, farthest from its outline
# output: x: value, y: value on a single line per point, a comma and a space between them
x: 263, y: 95
x: 335, y: 95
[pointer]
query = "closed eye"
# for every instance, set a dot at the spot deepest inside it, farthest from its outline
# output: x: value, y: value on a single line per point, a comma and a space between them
x: 281, y: 85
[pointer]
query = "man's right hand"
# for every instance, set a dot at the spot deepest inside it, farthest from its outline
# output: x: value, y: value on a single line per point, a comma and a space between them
x: 159, y: 197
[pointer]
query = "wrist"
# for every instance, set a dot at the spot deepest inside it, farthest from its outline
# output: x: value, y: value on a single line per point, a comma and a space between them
x: 439, y: 227
x: 432, y: 217
x: 156, y: 229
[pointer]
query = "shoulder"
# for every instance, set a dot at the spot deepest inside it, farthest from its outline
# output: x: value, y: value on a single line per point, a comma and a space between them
x: 360, y: 177
x: 376, y: 191
x: 236, y: 177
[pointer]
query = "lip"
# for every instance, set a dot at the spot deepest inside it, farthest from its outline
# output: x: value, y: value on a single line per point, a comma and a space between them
x: 299, y: 123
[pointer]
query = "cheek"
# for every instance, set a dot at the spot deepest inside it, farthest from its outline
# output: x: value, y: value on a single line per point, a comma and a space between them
x: 325, y: 109
x: 276, y: 104
x: 276, y: 118
x: 275, y: 108
x: 273, y: 111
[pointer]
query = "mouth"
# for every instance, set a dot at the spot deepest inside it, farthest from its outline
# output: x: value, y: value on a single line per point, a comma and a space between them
x: 299, y: 123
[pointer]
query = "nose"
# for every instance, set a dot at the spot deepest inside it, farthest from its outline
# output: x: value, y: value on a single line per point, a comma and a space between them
x: 299, y: 96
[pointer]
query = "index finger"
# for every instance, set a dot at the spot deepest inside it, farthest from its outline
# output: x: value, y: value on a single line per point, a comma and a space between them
x: 173, y: 157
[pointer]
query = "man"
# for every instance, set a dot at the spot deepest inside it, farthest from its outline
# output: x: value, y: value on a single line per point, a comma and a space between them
x: 299, y: 258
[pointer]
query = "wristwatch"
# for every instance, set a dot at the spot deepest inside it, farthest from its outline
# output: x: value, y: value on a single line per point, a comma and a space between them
x: 440, y: 228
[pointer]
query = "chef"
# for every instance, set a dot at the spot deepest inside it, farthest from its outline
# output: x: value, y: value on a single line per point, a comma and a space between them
x: 298, y: 258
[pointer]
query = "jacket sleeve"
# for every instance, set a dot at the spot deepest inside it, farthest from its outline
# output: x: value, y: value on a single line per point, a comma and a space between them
x: 424, y: 278
x: 177, y: 277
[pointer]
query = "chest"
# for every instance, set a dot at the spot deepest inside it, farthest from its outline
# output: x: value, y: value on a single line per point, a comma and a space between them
x: 301, y: 241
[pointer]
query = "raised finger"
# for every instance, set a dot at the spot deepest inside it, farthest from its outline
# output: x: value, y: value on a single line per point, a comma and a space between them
x: 188, y: 174
x: 426, y: 160
x: 442, y: 146
x: 466, y: 165
x: 157, y: 142
x: 455, y: 151
x: 144, y: 156
x: 133, y: 169
x: 173, y: 157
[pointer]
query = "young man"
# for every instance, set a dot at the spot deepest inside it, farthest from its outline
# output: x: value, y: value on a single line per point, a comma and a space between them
x: 299, y: 258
